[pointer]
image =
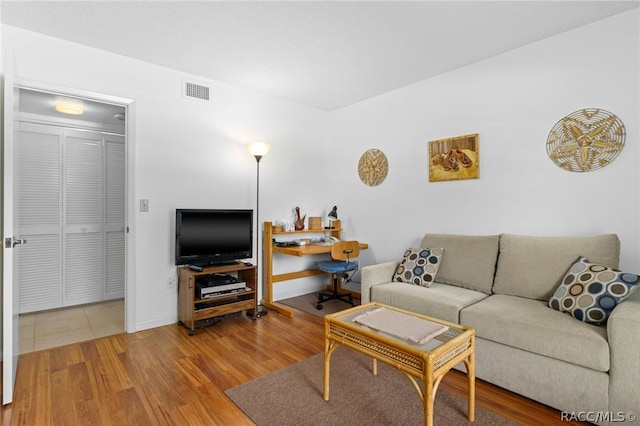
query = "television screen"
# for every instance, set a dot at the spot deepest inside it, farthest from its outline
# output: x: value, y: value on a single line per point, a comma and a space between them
x: 208, y: 237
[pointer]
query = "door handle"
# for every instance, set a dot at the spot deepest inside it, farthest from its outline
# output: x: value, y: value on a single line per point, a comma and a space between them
x: 13, y: 241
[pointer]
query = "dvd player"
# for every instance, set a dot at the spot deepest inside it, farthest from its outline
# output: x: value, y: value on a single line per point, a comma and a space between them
x: 217, y: 283
x: 224, y: 293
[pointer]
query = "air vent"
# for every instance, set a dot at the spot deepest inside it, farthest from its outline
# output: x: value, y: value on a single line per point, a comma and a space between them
x: 197, y: 91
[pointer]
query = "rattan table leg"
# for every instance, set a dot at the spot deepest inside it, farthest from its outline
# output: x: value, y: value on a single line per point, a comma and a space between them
x: 471, y: 374
x: 325, y: 392
x: 427, y: 400
x: 329, y: 346
x: 327, y: 363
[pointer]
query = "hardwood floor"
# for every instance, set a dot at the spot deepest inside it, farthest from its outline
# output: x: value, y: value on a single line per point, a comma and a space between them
x: 164, y: 377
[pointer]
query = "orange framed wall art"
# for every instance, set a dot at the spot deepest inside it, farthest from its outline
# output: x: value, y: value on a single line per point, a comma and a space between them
x: 454, y: 158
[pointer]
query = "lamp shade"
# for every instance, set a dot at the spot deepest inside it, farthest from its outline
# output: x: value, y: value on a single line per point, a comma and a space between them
x: 258, y: 149
x: 333, y: 214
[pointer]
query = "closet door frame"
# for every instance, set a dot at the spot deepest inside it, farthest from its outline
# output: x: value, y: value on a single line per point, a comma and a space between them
x: 129, y: 105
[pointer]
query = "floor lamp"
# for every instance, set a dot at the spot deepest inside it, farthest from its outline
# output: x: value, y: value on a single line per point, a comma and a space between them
x: 258, y: 150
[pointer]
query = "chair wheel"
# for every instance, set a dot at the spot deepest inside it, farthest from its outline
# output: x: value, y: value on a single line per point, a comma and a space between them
x: 319, y: 307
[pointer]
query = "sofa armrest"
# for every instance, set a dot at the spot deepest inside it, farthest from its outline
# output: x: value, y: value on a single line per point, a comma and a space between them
x: 373, y: 275
x: 623, y: 329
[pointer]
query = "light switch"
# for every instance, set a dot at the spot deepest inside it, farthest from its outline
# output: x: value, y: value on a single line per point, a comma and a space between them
x: 144, y: 205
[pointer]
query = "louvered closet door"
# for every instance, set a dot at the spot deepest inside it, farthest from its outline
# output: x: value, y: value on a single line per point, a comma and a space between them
x: 72, y: 211
x: 94, y: 217
x: 83, y: 195
x: 115, y: 216
x: 38, y: 203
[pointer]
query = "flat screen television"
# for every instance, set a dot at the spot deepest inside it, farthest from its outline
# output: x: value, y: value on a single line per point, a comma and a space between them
x: 210, y: 237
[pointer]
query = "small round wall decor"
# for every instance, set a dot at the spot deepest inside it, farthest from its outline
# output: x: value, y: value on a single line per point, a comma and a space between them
x: 373, y: 167
x: 586, y: 140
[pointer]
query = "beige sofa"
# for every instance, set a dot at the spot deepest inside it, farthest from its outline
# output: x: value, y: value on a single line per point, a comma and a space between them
x: 501, y: 285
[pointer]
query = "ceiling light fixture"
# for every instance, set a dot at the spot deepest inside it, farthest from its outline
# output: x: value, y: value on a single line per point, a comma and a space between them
x: 70, y: 107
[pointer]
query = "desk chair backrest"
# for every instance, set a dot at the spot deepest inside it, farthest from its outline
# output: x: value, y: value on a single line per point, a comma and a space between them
x: 345, y: 250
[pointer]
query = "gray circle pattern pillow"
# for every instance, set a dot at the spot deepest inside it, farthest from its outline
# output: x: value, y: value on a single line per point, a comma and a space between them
x: 589, y: 292
x: 419, y: 266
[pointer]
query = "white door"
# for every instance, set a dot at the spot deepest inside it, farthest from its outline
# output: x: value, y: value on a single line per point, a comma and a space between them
x: 10, y: 337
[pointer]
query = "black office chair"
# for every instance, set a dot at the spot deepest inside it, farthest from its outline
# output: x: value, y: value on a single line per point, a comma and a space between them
x: 341, y: 252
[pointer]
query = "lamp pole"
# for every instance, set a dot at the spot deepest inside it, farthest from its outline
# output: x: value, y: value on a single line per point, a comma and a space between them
x: 258, y: 158
x: 258, y: 150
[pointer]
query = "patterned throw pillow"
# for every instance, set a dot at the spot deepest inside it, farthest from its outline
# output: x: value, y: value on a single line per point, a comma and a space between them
x: 589, y: 292
x: 419, y: 266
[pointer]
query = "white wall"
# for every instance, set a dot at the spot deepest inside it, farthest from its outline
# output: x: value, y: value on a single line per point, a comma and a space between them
x: 512, y: 101
x: 191, y: 154
x: 185, y: 153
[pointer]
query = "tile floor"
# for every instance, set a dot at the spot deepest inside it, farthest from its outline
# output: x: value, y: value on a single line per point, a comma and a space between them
x: 49, y: 329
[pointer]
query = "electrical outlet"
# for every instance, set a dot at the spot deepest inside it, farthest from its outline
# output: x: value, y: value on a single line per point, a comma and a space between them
x: 172, y: 282
x: 144, y: 205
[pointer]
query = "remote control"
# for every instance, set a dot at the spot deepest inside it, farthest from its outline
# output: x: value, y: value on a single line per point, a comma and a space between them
x: 196, y: 268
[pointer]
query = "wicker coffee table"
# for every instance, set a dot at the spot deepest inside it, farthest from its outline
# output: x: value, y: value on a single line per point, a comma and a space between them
x: 428, y: 362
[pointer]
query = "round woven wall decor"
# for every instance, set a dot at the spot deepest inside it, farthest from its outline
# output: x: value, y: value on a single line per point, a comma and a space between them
x: 373, y: 167
x: 586, y: 140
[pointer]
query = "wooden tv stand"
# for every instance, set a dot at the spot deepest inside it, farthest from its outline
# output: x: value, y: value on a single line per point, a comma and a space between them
x: 192, y: 309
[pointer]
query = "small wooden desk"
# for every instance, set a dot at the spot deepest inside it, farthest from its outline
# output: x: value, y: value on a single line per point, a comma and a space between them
x: 268, y: 249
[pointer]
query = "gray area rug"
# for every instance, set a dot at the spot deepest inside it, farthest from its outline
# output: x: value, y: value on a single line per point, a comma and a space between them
x: 307, y: 303
x: 293, y: 396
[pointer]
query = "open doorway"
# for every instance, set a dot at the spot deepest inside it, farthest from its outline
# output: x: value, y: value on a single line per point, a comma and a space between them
x: 70, y: 177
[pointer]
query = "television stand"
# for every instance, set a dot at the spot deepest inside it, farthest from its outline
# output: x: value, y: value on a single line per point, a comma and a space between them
x: 192, y: 308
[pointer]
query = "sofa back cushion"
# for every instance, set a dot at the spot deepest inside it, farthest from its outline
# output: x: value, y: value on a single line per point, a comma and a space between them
x: 468, y: 261
x: 533, y: 267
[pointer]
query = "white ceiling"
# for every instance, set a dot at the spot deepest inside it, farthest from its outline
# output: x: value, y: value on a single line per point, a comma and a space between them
x: 324, y: 55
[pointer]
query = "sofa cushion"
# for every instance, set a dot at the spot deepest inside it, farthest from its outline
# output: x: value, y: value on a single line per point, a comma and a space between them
x: 440, y: 301
x: 589, y: 292
x: 533, y: 267
x: 469, y: 260
x: 530, y: 325
x: 419, y: 266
